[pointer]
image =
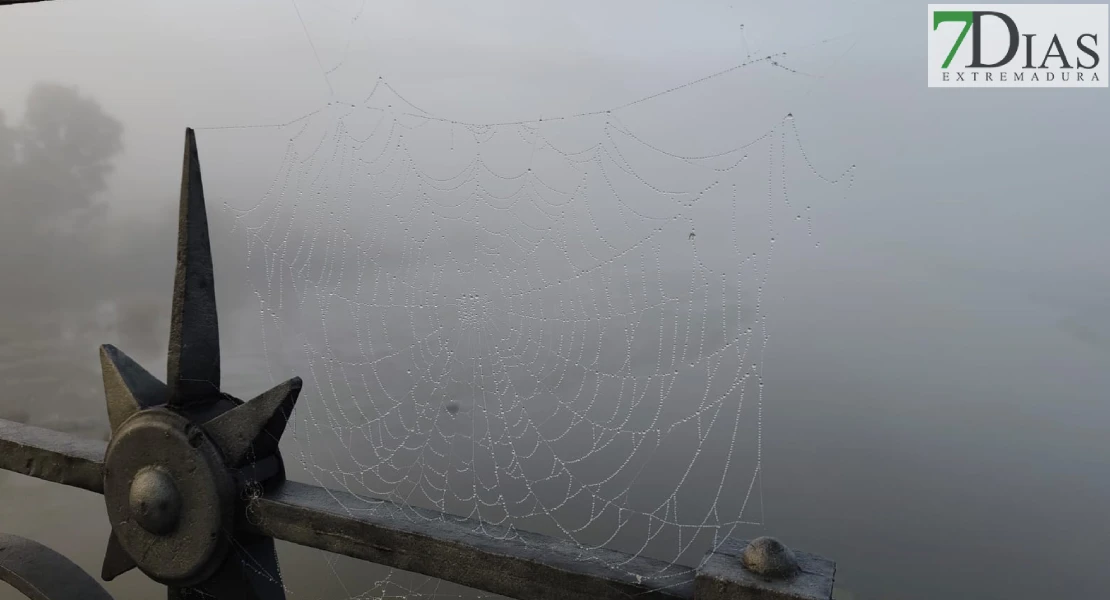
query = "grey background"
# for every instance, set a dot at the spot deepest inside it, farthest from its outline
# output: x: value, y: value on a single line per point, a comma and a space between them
x: 935, y: 414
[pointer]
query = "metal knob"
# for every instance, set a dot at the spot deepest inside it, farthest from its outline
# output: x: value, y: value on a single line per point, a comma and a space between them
x: 155, y: 501
x: 768, y: 557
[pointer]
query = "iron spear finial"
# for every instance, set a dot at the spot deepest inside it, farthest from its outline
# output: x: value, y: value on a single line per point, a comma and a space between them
x: 193, y: 370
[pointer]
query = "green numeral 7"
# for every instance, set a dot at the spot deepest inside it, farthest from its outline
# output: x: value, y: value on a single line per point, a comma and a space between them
x: 945, y: 16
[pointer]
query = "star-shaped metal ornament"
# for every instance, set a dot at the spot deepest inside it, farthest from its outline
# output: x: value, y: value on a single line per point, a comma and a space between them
x: 183, y: 455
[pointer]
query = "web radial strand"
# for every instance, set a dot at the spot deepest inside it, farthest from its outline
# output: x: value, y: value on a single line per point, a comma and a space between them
x: 542, y: 336
x: 557, y: 325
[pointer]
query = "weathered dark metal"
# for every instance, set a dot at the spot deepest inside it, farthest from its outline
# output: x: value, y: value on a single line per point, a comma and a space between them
x: 40, y: 573
x: 444, y: 546
x: 769, y: 558
x: 196, y: 493
x: 163, y: 444
x: 128, y: 388
x: 193, y: 369
x: 180, y: 452
x: 487, y: 557
x: 439, y: 545
x: 53, y: 456
x: 155, y: 502
x: 724, y: 577
x: 116, y: 560
x: 254, y: 429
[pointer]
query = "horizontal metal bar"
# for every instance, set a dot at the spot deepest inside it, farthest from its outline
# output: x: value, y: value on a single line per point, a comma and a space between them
x: 52, y: 455
x: 491, y: 558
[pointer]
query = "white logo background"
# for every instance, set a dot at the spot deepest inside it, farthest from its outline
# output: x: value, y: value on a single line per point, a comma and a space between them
x: 1066, y: 21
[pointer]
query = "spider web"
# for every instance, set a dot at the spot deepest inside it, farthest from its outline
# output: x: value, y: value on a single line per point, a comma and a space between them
x: 555, y: 325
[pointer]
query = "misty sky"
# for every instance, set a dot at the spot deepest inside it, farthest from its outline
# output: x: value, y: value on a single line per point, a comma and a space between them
x: 984, y: 161
x: 939, y: 365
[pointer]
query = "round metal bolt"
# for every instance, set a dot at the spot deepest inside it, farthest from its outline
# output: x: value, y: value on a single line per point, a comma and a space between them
x: 165, y: 497
x: 155, y: 502
x: 770, y: 558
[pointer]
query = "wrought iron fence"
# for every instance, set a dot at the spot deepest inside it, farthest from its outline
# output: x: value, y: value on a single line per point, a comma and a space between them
x: 196, y: 492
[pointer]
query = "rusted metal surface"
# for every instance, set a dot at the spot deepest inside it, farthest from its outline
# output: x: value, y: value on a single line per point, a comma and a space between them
x: 40, y: 573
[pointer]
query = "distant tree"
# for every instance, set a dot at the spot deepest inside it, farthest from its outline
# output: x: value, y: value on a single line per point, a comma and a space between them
x: 53, y: 165
x: 66, y: 248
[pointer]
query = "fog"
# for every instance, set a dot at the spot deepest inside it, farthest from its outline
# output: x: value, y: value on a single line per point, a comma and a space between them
x: 935, y: 363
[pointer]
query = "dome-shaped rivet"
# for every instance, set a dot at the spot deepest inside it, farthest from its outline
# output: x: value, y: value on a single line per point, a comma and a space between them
x: 768, y: 557
x: 155, y: 502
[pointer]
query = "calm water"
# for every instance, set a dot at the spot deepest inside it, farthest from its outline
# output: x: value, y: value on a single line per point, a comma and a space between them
x: 935, y: 413
x: 941, y: 455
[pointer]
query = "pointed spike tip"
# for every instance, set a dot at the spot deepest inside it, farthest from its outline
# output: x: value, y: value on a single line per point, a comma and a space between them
x: 191, y: 152
x: 116, y: 560
x: 253, y: 429
x: 193, y: 369
x: 128, y: 387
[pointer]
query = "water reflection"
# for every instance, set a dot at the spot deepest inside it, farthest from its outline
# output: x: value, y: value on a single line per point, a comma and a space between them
x: 923, y: 421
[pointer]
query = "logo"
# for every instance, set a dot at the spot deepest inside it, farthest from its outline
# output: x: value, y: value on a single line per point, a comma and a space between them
x: 1018, y: 45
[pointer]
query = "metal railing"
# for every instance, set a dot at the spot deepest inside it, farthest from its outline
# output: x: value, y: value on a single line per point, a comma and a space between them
x: 196, y: 492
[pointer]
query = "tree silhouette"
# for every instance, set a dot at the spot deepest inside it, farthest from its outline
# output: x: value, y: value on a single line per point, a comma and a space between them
x: 53, y: 164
